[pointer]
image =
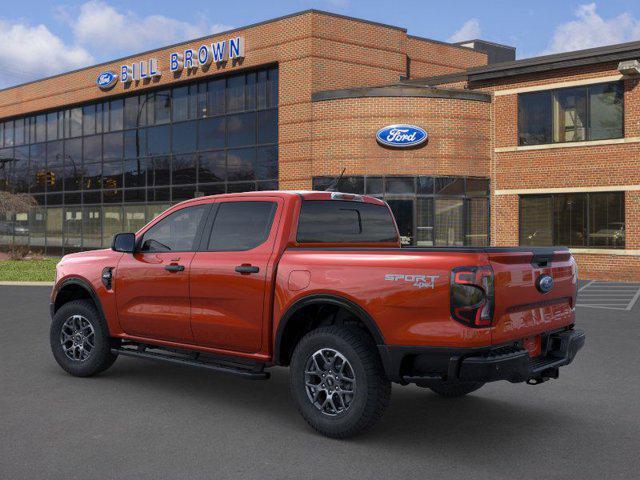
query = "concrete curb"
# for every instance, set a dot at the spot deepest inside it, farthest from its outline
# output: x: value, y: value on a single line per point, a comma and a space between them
x: 27, y: 284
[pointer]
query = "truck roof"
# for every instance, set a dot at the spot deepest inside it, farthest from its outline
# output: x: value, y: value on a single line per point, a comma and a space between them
x: 305, y: 194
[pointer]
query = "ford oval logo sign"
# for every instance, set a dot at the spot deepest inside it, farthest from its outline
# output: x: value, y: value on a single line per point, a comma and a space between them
x: 106, y: 80
x: 401, y: 136
x: 544, y: 283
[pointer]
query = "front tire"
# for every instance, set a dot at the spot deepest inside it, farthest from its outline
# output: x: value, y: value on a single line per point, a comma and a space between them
x: 337, y: 381
x: 79, y: 339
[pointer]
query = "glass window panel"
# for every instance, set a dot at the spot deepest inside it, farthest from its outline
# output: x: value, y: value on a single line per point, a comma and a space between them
x: 101, y: 120
x: 351, y: 185
x: 261, y: 89
x: 6, y: 229
x: 72, y: 172
x: 606, y: 111
x: 241, y: 187
x: 8, y: 134
x: 400, y: 185
x: 37, y: 168
x: 92, y: 174
x: 570, y: 115
x: 75, y: 122
x: 159, y: 195
x: 425, y: 185
x: 477, y: 187
x: 424, y: 227
x: 134, y: 173
x: 134, y: 218
x: 403, y: 212
x: 72, y: 198
x: 130, y: 115
x: 1, y: 134
x: 449, y: 222
x: 158, y: 140
x: 193, y: 101
x: 374, y: 186
x: 55, y: 167
x: 477, y: 234
x: 73, y: 227
x: 89, y: 124
x: 112, y: 146
x: 534, y: 118
x: 241, y: 164
x: 54, y: 227
x: 268, y: 126
x: 267, y: 163
x: 54, y: 199
x: 250, y: 91
x: 112, y: 175
x: 175, y: 232
x: 154, y: 210
x: 92, y: 197
x: 162, y: 109
x: 180, y: 104
x: 241, y: 129
x: 183, y: 137
x: 235, y: 93
x: 212, y: 189
x: 21, y: 169
x: 606, y: 220
x: 211, y: 133
x: 184, y: 169
x: 112, y: 196
x: 41, y: 128
x: 20, y: 228
x: 273, y: 87
x: 135, y: 143
x: 215, y: 97
x: 91, y: 227
x: 37, y: 226
x: 570, y: 217
x: 321, y: 183
x: 271, y: 185
x: 449, y: 186
x: 179, y: 194
x: 19, y: 132
x: 112, y: 224
x: 6, y: 166
x: 241, y: 225
x: 211, y: 167
x: 201, y: 103
x: 136, y: 195
x: 536, y: 220
x: 116, y: 115
x: 158, y: 171
x: 92, y: 148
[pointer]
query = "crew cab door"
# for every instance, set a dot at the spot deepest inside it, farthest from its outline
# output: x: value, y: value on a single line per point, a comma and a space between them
x: 152, y: 285
x: 229, y: 274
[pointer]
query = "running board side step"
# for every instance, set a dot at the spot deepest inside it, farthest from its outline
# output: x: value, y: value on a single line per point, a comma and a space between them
x: 240, y: 371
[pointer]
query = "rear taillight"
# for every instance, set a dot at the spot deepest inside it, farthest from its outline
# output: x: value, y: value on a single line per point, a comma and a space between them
x: 472, y: 295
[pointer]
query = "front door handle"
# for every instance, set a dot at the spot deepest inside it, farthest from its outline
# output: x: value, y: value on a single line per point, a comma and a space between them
x: 174, y: 268
x: 246, y: 269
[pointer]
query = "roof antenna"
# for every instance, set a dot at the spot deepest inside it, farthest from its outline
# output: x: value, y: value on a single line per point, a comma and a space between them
x: 333, y: 186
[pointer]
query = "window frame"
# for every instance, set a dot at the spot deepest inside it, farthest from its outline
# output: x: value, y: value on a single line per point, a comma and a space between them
x: 552, y: 92
x: 587, y: 221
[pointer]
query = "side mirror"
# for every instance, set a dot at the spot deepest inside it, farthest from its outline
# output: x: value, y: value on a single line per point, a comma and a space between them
x: 124, y: 242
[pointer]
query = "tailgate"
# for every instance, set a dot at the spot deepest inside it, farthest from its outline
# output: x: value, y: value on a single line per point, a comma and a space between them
x: 522, y: 308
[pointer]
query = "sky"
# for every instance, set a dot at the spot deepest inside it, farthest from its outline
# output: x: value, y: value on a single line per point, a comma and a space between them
x: 39, y: 38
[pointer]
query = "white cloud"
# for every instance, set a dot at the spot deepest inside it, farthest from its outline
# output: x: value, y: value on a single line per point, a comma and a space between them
x: 591, y: 30
x: 469, y: 31
x: 29, y: 52
x: 107, y: 31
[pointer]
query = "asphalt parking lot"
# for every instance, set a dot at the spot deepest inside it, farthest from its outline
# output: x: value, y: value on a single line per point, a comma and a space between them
x: 143, y: 420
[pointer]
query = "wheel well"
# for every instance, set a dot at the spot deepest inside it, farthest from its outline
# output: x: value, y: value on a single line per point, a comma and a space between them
x: 70, y: 292
x: 312, y: 316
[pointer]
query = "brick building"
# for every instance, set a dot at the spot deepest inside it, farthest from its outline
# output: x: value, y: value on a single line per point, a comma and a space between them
x: 533, y: 152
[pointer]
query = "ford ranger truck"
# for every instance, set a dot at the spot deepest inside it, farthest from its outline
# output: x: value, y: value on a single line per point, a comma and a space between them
x: 316, y: 281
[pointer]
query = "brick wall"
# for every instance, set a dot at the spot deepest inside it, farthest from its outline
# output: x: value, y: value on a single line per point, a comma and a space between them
x: 429, y: 58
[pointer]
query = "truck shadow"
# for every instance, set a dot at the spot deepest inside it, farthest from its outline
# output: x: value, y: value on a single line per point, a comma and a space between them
x: 416, y: 419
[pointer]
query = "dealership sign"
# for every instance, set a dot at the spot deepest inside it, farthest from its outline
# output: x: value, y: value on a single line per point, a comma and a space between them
x: 189, y: 59
x: 401, y: 136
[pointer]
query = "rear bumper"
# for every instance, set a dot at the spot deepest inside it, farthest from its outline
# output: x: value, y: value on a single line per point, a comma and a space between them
x: 425, y: 365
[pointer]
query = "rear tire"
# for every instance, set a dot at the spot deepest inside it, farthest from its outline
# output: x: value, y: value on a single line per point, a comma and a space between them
x: 80, y: 340
x: 337, y: 381
x: 455, y: 390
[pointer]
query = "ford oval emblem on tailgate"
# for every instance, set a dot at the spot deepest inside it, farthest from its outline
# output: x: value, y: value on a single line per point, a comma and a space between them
x: 544, y: 283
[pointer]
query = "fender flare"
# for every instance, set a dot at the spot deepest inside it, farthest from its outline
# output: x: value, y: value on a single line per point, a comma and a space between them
x: 85, y: 285
x: 331, y: 299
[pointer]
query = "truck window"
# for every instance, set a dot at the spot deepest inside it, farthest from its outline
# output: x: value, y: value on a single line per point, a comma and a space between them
x: 241, y: 225
x: 176, y: 232
x: 336, y: 221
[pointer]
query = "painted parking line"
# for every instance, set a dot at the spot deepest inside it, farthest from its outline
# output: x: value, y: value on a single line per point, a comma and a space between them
x: 609, y: 296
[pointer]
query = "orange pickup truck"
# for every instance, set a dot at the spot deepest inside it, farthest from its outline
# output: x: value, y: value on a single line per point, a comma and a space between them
x: 316, y: 281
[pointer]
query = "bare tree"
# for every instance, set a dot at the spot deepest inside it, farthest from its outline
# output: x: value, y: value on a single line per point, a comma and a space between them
x: 16, y: 202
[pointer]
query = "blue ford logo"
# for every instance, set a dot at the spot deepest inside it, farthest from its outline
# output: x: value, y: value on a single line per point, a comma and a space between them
x: 544, y: 283
x: 106, y: 80
x: 401, y: 136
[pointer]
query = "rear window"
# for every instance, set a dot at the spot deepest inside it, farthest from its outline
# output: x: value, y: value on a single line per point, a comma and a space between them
x: 336, y: 221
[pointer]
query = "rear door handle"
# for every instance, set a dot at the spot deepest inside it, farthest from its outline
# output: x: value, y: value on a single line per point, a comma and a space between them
x: 174, y: 268
x: 246, y: 269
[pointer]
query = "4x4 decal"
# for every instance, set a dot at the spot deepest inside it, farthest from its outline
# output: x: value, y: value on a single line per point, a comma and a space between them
x: 418, y: 281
